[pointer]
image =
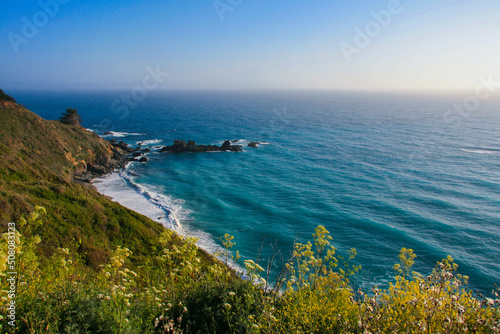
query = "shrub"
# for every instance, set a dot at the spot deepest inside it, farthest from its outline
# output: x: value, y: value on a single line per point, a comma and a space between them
x: 70, y: 117
x: 438, y: 303
x: 215, y: 307
x: 5, y: 97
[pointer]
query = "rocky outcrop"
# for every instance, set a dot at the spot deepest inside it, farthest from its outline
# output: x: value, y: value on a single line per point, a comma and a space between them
x: 181, y: 146
x: 123, y: 153
x: 105, y: 164
x: 254, y: 144
x: 96, y: 169
x: 124, y: 146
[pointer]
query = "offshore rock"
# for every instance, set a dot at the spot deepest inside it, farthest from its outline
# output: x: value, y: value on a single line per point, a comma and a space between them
x: 181, y: 146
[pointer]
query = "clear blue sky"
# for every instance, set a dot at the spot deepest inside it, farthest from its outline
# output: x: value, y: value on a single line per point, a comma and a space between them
x: 250, y: 44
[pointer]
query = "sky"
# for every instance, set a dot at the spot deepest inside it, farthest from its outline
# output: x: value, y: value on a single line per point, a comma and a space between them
x: 249, y: 44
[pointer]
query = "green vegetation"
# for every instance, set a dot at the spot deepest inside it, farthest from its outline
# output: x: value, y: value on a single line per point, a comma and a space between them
x: 172, y: 292
x: 39, y: 159
x: 70, y: 117
x: 88, y: 265
x: 5, y: 97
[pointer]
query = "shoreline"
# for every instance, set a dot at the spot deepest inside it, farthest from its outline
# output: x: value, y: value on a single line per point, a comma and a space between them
x: 115, y: 187
x: 118, y: 188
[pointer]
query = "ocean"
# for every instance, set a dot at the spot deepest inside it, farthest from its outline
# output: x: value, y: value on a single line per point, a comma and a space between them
x: 380, y: 171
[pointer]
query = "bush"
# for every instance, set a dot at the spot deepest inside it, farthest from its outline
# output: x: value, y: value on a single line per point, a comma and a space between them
x: 438, y: 303
x: 215, y: 307
x: 5, y: 97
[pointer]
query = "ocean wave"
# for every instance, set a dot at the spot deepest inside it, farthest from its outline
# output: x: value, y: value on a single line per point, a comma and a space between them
x: 122, y: 189
x: 174, y: 212
x: 242, y: 142
x: 245, y: 142
x: 117, y: 134
x: 159, y: 207
x: 148, y: 142
x: 481, y: 150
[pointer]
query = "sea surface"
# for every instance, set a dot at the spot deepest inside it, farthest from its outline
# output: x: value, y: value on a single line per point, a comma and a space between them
x: 379, y: 171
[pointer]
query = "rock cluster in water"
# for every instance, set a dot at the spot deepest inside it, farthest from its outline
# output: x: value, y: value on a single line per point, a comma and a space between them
x: 181, y: 146
x: 123, y: 153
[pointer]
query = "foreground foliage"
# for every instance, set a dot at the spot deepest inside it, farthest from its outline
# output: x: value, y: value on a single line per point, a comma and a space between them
x: 174, y: 292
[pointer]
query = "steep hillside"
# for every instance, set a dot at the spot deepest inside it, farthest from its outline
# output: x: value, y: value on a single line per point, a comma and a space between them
x: 45, y: 148
x: 38, y: 160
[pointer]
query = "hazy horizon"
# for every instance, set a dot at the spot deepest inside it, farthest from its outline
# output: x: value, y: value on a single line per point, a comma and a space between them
x: 362, y: 45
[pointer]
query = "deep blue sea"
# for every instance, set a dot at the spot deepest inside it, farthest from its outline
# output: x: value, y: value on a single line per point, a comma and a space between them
x: 379, y: 171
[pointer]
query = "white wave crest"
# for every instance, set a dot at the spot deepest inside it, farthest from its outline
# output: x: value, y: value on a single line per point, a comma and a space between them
x: 242, y: 142
x: 117, y: 134
x: 121, y: 188
x: 480, y: 151
x: 149, y: 142
x: 245, y: 142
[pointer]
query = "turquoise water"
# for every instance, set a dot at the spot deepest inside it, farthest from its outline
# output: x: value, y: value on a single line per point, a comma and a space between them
x: 379, y: 171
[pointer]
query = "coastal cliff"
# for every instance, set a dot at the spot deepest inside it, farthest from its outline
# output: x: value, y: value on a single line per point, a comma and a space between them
x: 46, y: 163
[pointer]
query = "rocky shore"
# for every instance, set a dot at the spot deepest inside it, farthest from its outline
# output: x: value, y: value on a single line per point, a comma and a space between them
x: 124, y: 153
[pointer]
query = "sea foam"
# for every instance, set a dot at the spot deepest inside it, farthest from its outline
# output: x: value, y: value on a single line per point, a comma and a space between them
x: 148, y: 142
x: 164, y: 209
x: 117, y: 134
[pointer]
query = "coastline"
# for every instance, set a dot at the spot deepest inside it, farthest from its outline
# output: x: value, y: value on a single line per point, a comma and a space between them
x: 118, y: 187
x: 114, y: 177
